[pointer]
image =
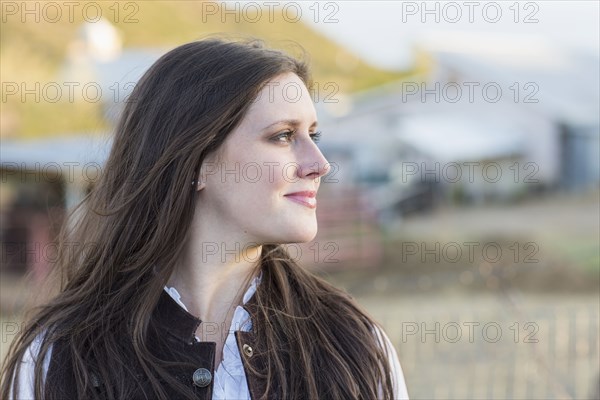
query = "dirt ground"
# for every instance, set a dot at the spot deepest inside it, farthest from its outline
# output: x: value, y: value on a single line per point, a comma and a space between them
x: 523, y: 326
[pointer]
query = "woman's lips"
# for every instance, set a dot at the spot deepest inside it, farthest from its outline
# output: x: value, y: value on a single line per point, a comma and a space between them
x: 305, y: 198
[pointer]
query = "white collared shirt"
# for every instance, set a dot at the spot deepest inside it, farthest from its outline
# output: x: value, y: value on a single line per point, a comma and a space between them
x: 230, y: 378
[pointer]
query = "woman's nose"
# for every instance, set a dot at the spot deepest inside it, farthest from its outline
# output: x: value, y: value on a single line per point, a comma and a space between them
x: 314, y: 164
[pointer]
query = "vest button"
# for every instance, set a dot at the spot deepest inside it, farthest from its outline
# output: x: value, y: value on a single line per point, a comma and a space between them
x: 247, y: 350
x: 202, y: 377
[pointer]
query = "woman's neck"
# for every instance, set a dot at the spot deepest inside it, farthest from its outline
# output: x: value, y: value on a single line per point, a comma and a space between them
x: 211, y: 288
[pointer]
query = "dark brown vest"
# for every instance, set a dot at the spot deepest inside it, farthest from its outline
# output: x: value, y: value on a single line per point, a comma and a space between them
x: 171, y: 338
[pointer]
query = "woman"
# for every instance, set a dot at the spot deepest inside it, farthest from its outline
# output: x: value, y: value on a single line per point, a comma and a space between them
x: 186, y: 291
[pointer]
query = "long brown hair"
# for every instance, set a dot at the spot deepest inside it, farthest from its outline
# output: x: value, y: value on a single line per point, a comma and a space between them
x: 132, y: 227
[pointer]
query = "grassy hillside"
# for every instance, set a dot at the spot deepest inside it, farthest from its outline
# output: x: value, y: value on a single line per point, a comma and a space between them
x: 34, y: 52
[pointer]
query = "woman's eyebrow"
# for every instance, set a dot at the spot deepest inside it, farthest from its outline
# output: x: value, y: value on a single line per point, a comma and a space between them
x: 292, y: 122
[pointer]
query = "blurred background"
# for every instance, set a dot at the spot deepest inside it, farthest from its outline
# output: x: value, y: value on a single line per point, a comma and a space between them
x: 462, y: 210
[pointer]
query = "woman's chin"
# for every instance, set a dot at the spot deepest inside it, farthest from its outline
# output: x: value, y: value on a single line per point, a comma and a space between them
x: 304, y: 236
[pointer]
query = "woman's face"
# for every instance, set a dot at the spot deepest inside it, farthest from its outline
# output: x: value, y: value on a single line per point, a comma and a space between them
x: 270, y: 156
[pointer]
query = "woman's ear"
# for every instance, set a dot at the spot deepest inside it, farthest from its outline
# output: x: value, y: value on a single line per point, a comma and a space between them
x: 200, y: 181
x: 208, y: 167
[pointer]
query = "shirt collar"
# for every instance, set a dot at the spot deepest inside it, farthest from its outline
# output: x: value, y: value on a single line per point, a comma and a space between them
x: 172, y: 314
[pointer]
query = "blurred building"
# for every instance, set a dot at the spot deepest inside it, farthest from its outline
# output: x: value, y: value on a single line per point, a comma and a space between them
x: 97, y: 57
x: 492, y: 121
x: 42, y: 178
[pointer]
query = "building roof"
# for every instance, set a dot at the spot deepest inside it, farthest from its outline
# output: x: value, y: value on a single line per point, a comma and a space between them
x: 56, y: 153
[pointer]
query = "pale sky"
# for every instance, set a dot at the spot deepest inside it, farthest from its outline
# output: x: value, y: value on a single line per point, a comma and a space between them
x: 382, y: 32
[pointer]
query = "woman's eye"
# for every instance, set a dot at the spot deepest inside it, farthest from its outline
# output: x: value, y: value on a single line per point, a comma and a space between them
x: 287, y: 135
x: 316, y: 136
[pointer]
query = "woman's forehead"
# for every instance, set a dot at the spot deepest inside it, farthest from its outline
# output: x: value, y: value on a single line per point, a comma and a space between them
x: 283, y: 98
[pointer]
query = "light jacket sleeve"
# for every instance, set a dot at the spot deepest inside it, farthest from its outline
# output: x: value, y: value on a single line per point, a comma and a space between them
x: 26, y: 377
x: 398, y: 383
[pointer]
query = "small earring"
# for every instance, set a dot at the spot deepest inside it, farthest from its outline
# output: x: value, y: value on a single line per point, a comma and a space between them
x: 194, y: 182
